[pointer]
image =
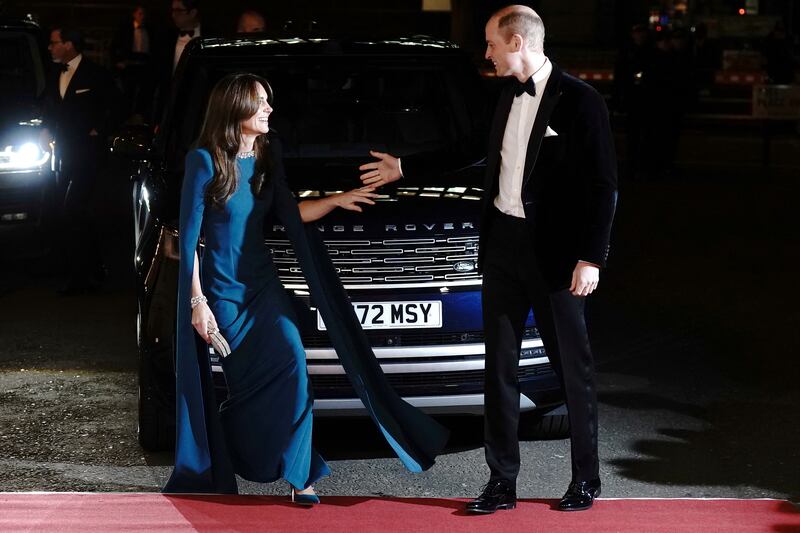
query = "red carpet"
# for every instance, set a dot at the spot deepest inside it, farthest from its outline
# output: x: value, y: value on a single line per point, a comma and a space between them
x: 66, y: 512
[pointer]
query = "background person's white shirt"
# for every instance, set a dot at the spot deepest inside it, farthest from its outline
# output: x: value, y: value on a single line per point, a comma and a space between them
x: 181, y: 43
x: 66, y: 75
x: 141, y: 40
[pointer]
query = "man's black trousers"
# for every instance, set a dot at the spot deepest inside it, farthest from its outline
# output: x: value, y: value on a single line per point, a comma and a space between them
x: 511, y: 286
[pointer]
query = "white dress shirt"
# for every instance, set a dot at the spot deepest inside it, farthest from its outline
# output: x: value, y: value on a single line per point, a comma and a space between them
x: 515, y: 144
x: 181, y: 43
x: 66, y: 75
x: 141, y: 40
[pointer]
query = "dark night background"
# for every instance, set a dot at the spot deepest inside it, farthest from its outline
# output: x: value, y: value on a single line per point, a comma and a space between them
x: 696, y: 326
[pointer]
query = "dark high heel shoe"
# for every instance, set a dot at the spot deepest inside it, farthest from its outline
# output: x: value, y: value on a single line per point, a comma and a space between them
x: 306, y: 500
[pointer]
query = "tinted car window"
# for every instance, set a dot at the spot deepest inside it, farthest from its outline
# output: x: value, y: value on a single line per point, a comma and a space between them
x: 340, y: 107
x: 21, y: 72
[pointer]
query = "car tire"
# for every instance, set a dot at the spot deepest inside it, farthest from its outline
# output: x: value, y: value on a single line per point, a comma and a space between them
x: 536, y: 426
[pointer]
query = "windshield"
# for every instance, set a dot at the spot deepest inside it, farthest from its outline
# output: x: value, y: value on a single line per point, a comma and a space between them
x: 333, y: 110
x: 21, y: 71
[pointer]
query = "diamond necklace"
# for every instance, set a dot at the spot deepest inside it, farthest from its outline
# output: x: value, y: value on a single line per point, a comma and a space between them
x: 246, y: 155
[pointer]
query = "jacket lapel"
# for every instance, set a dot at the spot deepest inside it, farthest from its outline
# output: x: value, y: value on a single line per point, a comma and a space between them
x: 496, y: 136
x: 552, y: 93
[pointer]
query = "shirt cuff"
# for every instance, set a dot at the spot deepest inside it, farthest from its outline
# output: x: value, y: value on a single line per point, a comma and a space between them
x: 589, y: 263
x: 400, y: 167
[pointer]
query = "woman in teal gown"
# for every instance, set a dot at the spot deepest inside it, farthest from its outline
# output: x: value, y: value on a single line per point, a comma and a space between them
x: 263, y: 430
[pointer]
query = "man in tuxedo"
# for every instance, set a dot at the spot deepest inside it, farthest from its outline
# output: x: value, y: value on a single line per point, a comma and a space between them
x: 79, y: 113
x: 545, y: 227
x: 187, y: 21
x: 186, y: 17
x: 132, y: 56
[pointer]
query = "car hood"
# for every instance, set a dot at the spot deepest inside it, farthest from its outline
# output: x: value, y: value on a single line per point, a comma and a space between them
x: 448, y: 205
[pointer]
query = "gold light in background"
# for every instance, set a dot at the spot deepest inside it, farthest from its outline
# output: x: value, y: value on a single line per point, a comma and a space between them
x: 436, y: 5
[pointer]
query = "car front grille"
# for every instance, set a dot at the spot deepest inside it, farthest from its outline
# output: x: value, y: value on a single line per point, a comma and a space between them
x: 421, y: 383
x: 391, y: 261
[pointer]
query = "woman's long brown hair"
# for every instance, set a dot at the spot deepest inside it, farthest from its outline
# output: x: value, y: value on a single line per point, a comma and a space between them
x: 233, y: 99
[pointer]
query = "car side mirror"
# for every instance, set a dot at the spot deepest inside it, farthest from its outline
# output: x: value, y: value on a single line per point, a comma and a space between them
x: 133, y: 142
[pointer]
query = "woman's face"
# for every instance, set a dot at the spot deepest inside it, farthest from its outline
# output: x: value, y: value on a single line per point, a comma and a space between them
x: 258, y: 124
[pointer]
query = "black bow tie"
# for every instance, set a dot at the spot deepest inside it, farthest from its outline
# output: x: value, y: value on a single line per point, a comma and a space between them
x: 62, y: 67
x: 527, y: 87
x: 186, y: 33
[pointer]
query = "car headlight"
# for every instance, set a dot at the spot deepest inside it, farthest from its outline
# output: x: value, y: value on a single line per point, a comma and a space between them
x: 26, y: 156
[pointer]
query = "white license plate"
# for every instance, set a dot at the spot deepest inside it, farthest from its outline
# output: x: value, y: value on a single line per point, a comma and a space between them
x: 393, y: 315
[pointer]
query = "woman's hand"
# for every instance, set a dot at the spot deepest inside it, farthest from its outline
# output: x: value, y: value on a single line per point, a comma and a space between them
x: 312, y: 210
x: 203, y: 320
x: 350, y: 200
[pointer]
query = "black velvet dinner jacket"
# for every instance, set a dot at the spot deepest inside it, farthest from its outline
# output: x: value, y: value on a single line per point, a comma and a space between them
x: 569, y: 189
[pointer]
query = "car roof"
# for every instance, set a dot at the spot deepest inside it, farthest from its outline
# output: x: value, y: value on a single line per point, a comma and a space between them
x: 15, y: 23
x: 259, y: 45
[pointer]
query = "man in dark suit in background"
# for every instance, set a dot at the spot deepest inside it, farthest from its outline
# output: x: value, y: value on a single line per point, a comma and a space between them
x: 186, y: 17
x: 546, y: 222
x: 132, y: 56
x: 80, y: 112
x: 187, y: 25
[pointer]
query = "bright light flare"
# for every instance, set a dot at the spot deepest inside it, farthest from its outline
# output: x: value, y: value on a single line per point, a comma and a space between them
x: 28, y: 156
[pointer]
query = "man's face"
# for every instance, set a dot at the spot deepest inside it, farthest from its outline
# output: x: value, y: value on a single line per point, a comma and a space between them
x: 183, y: 18
x: 139, y: 15
x: 502, y: 54
x: 58, y: 50
x: 250, y: 23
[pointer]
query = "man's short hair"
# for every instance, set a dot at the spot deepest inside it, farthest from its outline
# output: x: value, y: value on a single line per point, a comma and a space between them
x: 524, y: 22
x: 74, y: 36
x: 191, y: 4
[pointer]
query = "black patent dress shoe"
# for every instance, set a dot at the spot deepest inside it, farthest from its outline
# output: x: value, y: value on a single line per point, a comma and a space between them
x: 580, y: 495
x: 497, y: 494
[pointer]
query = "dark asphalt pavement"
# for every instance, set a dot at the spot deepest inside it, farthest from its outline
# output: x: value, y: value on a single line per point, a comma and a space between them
x: 695, y: 326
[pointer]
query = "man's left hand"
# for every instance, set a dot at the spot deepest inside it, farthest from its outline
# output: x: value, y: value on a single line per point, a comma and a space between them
x: 585, y: 278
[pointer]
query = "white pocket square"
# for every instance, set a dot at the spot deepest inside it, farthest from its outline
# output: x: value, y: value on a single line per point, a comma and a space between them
x: 550, y: 132
x: 80, y: 91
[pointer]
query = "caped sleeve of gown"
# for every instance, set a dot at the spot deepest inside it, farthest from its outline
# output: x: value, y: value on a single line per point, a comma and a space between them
x: 202, y: 464
x: 415, y: 437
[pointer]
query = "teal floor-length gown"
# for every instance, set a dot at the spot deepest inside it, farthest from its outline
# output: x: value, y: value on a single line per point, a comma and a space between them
x: 263, y: 430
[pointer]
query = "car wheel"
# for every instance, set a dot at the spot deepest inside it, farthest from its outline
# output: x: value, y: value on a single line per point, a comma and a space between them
x: 535, y: 426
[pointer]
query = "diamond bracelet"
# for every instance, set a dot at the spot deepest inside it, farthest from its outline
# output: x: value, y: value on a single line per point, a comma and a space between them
x: 197, y: 300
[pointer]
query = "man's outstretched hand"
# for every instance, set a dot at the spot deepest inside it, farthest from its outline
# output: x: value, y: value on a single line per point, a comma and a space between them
x: 381, y: 172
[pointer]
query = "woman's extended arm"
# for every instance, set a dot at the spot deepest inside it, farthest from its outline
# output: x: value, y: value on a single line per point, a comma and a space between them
x: 199, y: 172
x: 311, y: 210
